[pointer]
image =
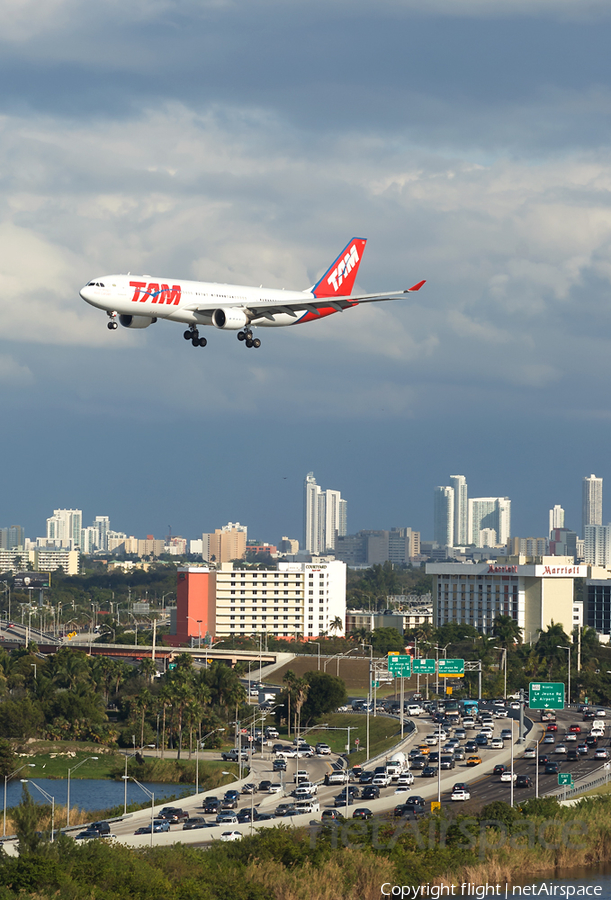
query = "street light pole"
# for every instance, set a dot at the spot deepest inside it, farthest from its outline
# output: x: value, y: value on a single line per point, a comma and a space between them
x: 69, y: 774
x: 7, y: 778
x: 152, y: 796
x: 47, y: 797
x: 568, y: 649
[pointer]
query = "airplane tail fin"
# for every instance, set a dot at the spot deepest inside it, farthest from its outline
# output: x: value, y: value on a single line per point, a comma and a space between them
x: 339, y: 278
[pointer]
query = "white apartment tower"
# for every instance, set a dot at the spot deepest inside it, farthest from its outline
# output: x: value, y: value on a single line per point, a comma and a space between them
x: 325, y: 516
x: 458, y: 483
x: 488, y: 514
x: 443, y: 516
x: 592, y: 502
x: 64, y: 528
x: 556, y: 518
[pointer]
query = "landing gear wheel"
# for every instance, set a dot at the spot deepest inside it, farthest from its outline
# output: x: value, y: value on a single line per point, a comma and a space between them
x: 202, y: 342
x: 195, y: 342
x: 256, y: 343
x: 112, y: 326
x: 249, y: 343
x: 241, y: 336
x: 248, y: 335
x: 188, y: 335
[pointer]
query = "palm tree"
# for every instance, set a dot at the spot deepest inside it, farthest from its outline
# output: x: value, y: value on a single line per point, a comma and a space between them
x: 289, y: 679
x: 507, y: 631
x: 301, y: 688
x: 337, y: 625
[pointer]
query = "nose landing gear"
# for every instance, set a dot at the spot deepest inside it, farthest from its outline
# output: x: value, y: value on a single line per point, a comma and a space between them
x: 247, y: 337
x: 112, y: 325
x: 193, y: 335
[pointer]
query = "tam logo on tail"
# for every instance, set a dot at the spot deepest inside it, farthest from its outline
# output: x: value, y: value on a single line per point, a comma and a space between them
x: 342, y: 272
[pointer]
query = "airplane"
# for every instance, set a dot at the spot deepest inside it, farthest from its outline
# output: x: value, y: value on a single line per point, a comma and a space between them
x: 138, y: 301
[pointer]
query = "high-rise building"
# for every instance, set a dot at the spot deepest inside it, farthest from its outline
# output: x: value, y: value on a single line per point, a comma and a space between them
x: 486, y: 513
x: 102, y: 526
x: 443, y: 516
x: 65, y: 526
x: 556, y: 518
x: 597, y: 545
x: 325, y: 516
x: 227, y: 543
x: 592, y: 502
x: 458, y: 483
x: 12, y: 538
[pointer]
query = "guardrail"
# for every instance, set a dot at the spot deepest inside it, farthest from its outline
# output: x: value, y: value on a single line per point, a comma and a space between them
x: 582, y: 787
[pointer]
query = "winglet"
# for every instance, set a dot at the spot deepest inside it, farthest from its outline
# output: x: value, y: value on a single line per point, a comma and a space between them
x: 416, y: 287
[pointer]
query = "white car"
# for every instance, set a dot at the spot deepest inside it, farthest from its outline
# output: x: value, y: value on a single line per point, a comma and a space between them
x: 499, y: 703
x: 414, y: 710
x: 497, y: 744
x: 600, y: 713
x: 405, y: 780
x: 323, y: 749
x: 514, y: 705
x: 560, y: 748
x: 530, y: 753
x: 460, y: 795
x: 231, y: 835
x: 381, y: 780
x: 431, y: 739
x: 274, y: 789
x: 500, y: 714
x: 570, y: 736
x: 506, y: 776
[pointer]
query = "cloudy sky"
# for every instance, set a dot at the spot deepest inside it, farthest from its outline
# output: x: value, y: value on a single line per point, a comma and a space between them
x: 247, y: 142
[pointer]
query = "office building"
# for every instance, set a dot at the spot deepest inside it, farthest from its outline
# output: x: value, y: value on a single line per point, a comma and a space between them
x: 443, y: 516
x: 592, y: 502
x: 488, y: 514
x: 556, y: 518
x: 367, y: 548
x: 289, y: 546
x: 534, y: 594
x: 563, y: 542
x: 307, y: 599
x: 12, y: 538
x: 325, y: 517
x: 227, y: 543
x: 458, y: 483
x: 102, y: 527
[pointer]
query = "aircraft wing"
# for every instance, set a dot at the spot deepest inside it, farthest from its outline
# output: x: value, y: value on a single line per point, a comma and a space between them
x: 265, y: 310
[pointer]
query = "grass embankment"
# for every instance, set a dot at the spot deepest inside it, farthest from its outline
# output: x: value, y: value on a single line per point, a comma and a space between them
x: 353, y: 671
x: 384, y: 733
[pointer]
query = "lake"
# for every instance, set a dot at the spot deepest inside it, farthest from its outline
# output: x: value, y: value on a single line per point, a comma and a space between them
x: 92, y: 794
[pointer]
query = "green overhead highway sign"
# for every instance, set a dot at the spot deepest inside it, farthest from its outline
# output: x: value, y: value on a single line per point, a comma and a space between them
x: 546, y: 695
x: 424, y: 666
x: 448, y: 667
x: 565, y: 778
x: 400, y: 664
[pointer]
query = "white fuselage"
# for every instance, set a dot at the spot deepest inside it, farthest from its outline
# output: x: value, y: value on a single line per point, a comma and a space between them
x: 190, y: 302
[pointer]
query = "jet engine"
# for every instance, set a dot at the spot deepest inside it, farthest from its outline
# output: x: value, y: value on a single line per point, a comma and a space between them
x: 230, y: 319
x: 136, y: 321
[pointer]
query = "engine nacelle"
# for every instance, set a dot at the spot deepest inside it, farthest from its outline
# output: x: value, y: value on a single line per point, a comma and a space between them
x: 230, y: 319
x: 136, y: 321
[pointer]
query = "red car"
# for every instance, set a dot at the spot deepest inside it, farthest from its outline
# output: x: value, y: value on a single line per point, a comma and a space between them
x: 552, y: 727
x: 576, y: 729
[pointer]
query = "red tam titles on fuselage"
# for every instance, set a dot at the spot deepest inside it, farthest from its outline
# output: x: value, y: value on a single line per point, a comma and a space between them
x: 231, y: 307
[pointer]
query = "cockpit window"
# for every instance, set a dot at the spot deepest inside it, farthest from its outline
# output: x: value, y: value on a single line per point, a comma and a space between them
x: 91, y: 284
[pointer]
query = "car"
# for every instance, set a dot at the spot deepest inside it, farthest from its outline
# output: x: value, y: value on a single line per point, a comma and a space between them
x: 498, y: 703
x: 549, y: 739
x: 331, y: 815
x: 343, y: 799
x: 159, y: 825
x: 470, y: 747
x: 249, y: 788
x: 552, y: 768
x: 229, y: 803
x: 429, y: 772
x: 575, y: 728
x: 405, y: 780
x: 543, y: 759
x: 370, y: 792
x: 499, y: 769
x: 431, y: 740
x: 460, y: 734
x: 530, y: 753
x: 508, y: 776
x: 460, y: 795
x: 601, y: 753
x: 323, y: 749
x: 582, y: 749
x: 523, y: 781
x: 226, y: 818
x: 560, y: 749
x: 300, y: 776
x: 481, y: 740
x: 211, y: 805
x: 514, y: 705
x: 194, y: 822
x: 497, y: 744
x: 361, y: 812
x: 409, y: 809
x: 279, y: 765
x: 366, y: 778
x: 274, y: 789
x: 90, y: 834
x: 173, y: 814
x: 552, y: 727
x: 572, y: 756
x: 231, y: 795
x: 500, y: 713
x: 600, y: 713
x: 460, y: 786
x: 418, y: 762
x: 382, y: 780
x: 337, y: 776
x: 506, y: 734
x: 459, y: 753
x: 264, y: 786
x: 474, y: 761
x: 571, y: 736
x: 231, y: 835
x: 592, y: 741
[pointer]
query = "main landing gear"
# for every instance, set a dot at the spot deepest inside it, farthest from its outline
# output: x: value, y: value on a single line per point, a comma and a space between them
x: 193, y: 335
x: 247, y: 337
x: 112, y: 325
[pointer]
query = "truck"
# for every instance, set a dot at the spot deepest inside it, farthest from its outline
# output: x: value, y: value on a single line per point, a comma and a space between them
x: 397, y: 765
x: 548, y: 715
